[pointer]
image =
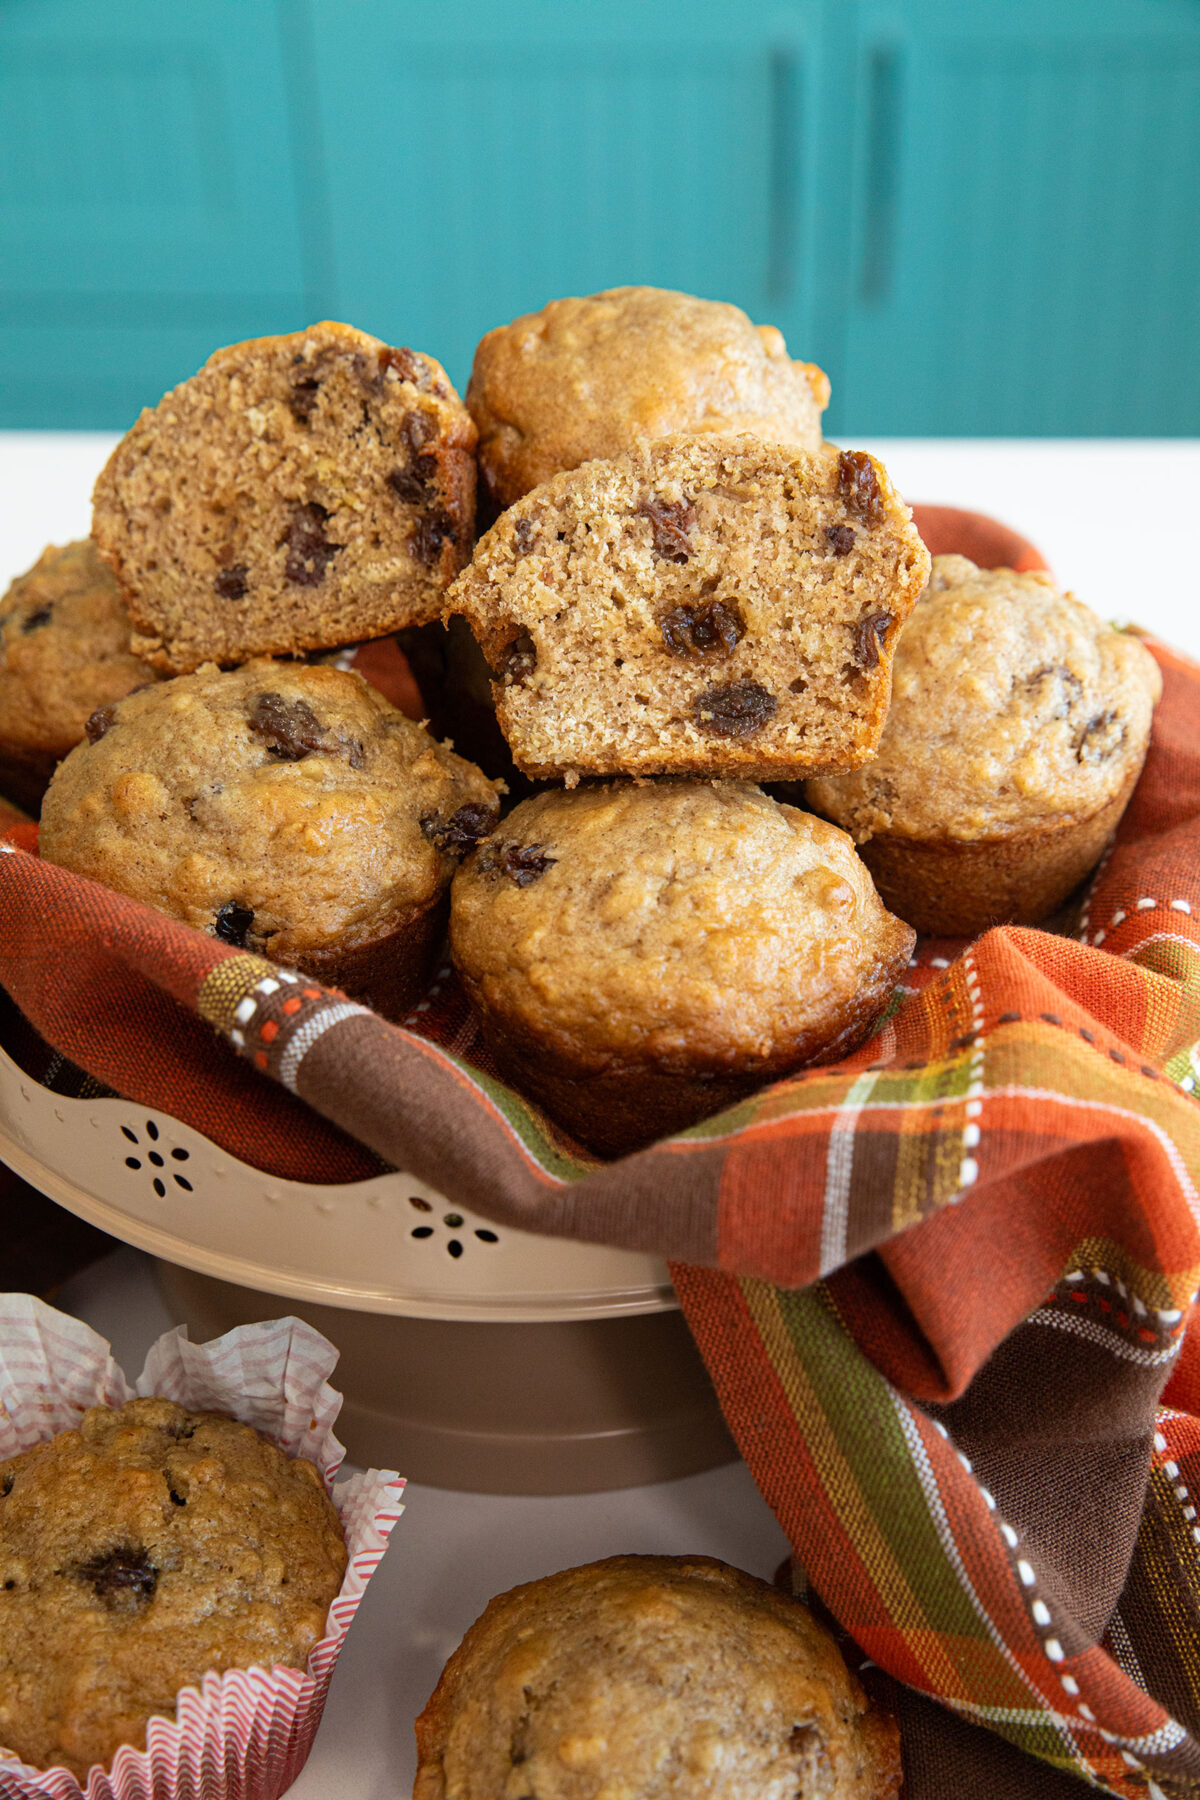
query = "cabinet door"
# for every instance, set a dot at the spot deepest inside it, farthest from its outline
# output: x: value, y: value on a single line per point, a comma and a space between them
x: 1024, y: 188
x: 485, y: 156
x: 149, y: 202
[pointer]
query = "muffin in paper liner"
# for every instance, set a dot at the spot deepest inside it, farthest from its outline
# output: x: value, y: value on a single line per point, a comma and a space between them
x: 245, y: 1733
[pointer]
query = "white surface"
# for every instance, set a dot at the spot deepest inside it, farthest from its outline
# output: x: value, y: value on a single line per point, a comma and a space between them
x: 448, y: 1555
x: 1115, y: 519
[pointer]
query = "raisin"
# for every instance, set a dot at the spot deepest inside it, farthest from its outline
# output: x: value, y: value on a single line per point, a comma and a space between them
x: 124, y: 1577
x: 99, y: 723
x: 415, y: 483
x: 522, y: 864
x: 1100, y: 738
x: 290, y: 728
x: 520, y: 659
x: 303, y: 399
x: 232, y: 924
x: 461, y: 831
x: 425, y: 544
x: 231, y: 583
x: 7, y: 1483
x: 309, y: 552
x: 416, y: 429
x: 1054, y: 689
x: 841, y: 539
x: 869, y: 634
x: 671, y: 523
x: 738, y: 709
x: 691, y: 630
x: 523, y: 532
x: 37, y: 619
x: 859, y: 486
x: 405, y: 365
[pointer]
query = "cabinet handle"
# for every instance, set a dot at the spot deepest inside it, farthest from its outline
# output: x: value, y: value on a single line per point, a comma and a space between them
x: 783, y: 171
x: 883, y: 174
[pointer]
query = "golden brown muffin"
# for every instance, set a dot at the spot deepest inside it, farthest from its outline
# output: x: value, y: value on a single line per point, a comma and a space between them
x: 643, y: 955
x: 64, y: 651
x: 590, y: 378
x: 287, y: 809
x: 299, y: 493
x: 1018, y: 728
x: 139, y: 1551
x: 706, y: 606
x: 647, y: 1676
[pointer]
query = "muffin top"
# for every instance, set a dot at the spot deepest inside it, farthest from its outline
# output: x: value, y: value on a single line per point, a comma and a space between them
x: 681, y: 923
x: 64, y: 650
x: 1013, y: 707
x: 138, y: 1551
x: 585, y: 378
x: 646, y: 1676
x: 284, y: 807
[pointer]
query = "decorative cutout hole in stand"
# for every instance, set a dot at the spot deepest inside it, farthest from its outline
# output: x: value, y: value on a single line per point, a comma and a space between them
x: 156, y: 1160
x: 454, y: 1223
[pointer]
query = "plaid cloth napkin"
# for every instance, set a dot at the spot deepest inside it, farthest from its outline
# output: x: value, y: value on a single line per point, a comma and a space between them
x: 942, y: 1287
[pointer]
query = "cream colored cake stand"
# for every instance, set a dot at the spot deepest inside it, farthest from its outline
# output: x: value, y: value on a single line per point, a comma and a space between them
x: 472, y: 1355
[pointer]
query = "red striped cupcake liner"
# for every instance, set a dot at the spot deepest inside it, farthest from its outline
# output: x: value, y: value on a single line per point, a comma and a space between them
x: 244, y: 1734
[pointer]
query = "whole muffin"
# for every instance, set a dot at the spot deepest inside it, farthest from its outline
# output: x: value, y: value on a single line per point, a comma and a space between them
x: 648, y: 1676
x: 64, y: 651
x: 285, y: 808
x: 643, y: 955
x: 1018, y: 728
x: 587, y: 378
x: 139, y: 1551
x: 299, y: 493
x: 706, y: 605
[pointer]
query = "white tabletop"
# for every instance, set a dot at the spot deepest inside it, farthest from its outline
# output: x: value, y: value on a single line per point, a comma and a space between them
x: 1115, y: 521
x: 1114, y: 518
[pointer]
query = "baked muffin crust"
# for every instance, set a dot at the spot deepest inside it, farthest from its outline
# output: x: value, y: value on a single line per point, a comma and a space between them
x: 643, y: 954
x: 139, y: 1551
x: 298, y: 493
x: 648, y: 1676
x: 286, y: 808
x: 586, y: 378
x: 64, y: 651
x: 705, y: 606
x: 1013, y: 706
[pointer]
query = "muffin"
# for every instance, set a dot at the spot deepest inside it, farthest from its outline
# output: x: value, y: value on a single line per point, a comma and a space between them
x: 64, y: 651
x: 705, y: 606
x: 649, y: 1676
x: 285, y: 808
x: 299, y: 493
x: 1018, y: 728
x: 139, y: 1551
x: 642, y: 955
x: 588, y: 378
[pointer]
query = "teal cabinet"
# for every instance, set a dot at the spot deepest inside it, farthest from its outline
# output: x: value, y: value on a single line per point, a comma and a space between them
x: 979, y: 218
x: 151, y: 186
x: 1023, y: 192
x: 485, y: 157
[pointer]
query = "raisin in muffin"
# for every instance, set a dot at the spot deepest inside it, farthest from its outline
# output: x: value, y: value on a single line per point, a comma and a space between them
x: 642, y: 955
x: 570, y: 1688
x: 287, y: 809
x: 64, y: 651
x: 1018, y: 728
x: 587, y: 378
x: 139, y: 1551
x: 705, y: 606
x: 298, y: 493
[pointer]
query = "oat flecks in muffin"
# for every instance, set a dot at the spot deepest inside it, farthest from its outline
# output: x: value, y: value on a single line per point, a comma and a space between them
x: 588, y: 378
x: 140, y: 1551
x: 652, y: 1676
x: 692, y: 609
x: 1013, y: 707
x: 298, y: 493
x: 283, y: 808
x: 64, y: 652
